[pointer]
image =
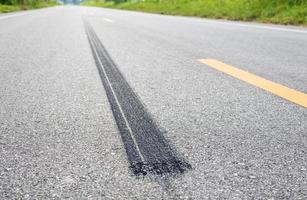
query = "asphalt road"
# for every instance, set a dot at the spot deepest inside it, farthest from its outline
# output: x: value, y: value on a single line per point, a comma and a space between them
x: 60, y: 134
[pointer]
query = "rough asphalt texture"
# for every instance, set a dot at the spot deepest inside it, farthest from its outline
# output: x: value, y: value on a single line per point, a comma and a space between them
x: 59, y: 138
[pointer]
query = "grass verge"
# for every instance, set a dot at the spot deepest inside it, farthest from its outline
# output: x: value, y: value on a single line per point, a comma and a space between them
x: 269, y: 11
x: 8, y: 8
x: 12, y: 8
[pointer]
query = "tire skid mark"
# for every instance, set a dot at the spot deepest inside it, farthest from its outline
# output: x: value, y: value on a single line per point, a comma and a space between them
x: 147, y: 149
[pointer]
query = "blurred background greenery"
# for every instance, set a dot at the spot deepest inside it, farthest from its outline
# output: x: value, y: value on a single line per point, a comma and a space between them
x: 271, y: 11
x: 15, y: 5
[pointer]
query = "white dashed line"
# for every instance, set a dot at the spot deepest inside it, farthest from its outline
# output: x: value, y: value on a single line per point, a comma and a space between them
x: 108, y: 20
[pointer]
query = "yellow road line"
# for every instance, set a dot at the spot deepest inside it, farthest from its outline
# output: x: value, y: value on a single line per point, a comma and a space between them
x: 277, y: 89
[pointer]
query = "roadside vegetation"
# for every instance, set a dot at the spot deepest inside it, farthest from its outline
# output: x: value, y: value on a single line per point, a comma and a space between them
x: 15, y: 5
x: 269, y: 11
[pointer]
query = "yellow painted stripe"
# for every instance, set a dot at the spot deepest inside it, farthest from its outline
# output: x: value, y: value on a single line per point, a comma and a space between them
x: 277, y: 89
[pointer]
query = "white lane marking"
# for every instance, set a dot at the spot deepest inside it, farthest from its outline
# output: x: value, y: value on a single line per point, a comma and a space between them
x: 108, y: 20
x: 263, y: 27
x: 13, y: 15
x: 119, y: 106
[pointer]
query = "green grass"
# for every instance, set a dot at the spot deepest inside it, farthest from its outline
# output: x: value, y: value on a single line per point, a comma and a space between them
x: 270, y: 11
x: 26, y: 6
x: 8, y: 8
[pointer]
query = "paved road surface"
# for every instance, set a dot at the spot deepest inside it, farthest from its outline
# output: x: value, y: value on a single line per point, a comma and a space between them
x: 59, y: 137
